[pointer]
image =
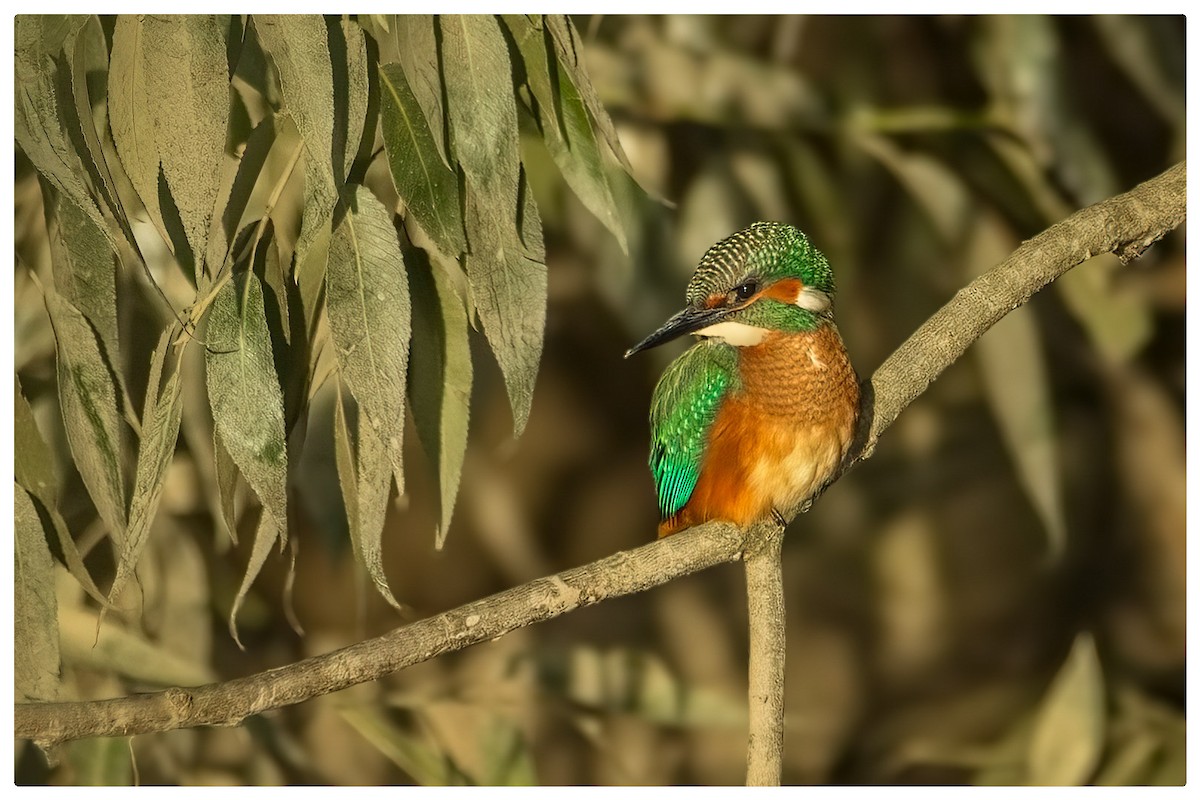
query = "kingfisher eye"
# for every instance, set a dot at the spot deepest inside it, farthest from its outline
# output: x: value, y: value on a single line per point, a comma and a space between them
x: 745, y: 290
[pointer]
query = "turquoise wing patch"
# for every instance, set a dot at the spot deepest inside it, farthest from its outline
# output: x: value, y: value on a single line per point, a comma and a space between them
x: 682, y: 411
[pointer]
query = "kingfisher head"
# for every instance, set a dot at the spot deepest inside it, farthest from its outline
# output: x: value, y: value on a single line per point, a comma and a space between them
x: 767, y: 277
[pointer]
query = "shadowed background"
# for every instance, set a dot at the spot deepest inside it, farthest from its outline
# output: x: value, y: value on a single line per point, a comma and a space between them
x: 996, y: 596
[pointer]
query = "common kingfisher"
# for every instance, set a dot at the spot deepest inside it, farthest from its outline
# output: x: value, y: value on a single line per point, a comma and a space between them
x: 754, y: 419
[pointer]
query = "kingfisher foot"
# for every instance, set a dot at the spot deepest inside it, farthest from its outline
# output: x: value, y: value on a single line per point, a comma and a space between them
x: 778, y: 517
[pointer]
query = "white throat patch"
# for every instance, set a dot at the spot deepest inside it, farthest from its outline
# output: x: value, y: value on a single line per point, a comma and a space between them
x: 738, y: 334
x: 813, y: 300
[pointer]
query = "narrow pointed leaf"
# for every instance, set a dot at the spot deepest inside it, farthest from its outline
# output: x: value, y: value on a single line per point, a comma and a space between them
x: 348, y: 54
x: 84, y: 266
x: 250, y: 166
x: 565, y: 125
x: 417, y: 49
x: 428, y: 187
x: 226, y: 474
x: 131, y: 104
x: 570, y: 56
x: 507, y: 288
x: 34, y: 472
x: 160, y: 430
x: 366, y: 481
x: 35, y: 612
x: 265, y: 536
x: 41, y: 123
x: 243, y: 388
x: 1069, y: 730
x: 90, y: 56
x: 370, y: 318
x: 89, y: 408
x: 1017, y: 382
x: 187, y: 71
x: 299, y: 48
x: 440, y: 388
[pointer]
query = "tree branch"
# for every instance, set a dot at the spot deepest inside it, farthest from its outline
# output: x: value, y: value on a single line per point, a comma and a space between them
x: 1125, y: 225
x: 768, y: 654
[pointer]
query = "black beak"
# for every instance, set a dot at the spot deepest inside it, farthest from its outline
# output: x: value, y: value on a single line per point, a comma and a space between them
x: 687, y: 321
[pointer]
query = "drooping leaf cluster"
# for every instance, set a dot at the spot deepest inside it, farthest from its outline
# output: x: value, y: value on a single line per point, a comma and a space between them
x: 339, y: 200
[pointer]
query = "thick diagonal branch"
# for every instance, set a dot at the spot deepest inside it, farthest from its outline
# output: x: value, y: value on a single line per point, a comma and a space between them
x: 1124, y: 225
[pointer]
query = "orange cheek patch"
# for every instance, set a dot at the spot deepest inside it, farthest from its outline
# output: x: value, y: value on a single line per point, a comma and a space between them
x: 714, y: 300
x: 785, y: 291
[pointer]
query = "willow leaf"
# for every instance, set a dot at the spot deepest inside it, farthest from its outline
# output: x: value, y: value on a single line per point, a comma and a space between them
x: 160, y: 430
x: 570, y: 56
x: 351, y: 90
x: 34, y: 472
x: 415, y: 38
x: 89, y: 55
x: 1069, y: 729
x: 265, y: 536
x: 89, y: 409
x: 370, y: 318
x: 131, y: 104
x: 243, y: 389
x: 41, y: 121
x: 428, y: 187
x: 507, y: 288
x: 187, y: 72
x: 299, y: 48
x: 365, y: 476
x: 35, y: 609
x: 84, y: 266
x: 566, y: 128
x: 250, y: 166
x: 440, y: 388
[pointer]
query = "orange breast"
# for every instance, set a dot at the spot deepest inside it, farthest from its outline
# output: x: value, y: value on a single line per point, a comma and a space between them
x: 780, y: 438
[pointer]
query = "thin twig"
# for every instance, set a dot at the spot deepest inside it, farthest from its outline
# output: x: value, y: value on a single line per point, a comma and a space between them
x: 1124, y: 225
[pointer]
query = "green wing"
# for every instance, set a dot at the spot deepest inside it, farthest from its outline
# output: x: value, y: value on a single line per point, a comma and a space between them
x: 682, y: 411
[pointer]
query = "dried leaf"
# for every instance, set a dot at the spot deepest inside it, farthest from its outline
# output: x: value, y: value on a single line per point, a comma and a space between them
x: 1069, y: 730
x: 440, y: 388
x: 299, y: 48
x: 160, y: 430
x: 428, y: 187
x: 244, y: 392
x: 89, y: 409
x: 35, y: 609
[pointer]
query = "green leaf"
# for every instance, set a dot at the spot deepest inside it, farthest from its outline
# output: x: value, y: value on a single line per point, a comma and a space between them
x: 89, y: 409
x: 1069, y: 729
x: 299, y: 48
x: 101, y: 761
x: 1017, y: 383
x: 35, y: 610
x: 41, y: 119
x: 84, y: 266
x: 89, y: 56
x: 508, y: 287
x: 34, y: 471
x: 507, y: 758
x: 160, y: 430
x: 570, y: 56
x: 351, y: 89
x: 188, y: 74
x: 366, y: 482
x: 416, y: 46
x: 564, y: 122
x: 127, y: 652
x: 226, y: 473
x: 428, y: 187
x: 131, y: 110
x: 267, y: 533
x: 370, y: 317
x: 440, y: 388
x: 250, y: 166
x: 243, y: 389
x: 425, y: 764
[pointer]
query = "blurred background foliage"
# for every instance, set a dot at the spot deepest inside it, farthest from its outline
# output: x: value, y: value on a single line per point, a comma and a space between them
x: 996, y: 597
